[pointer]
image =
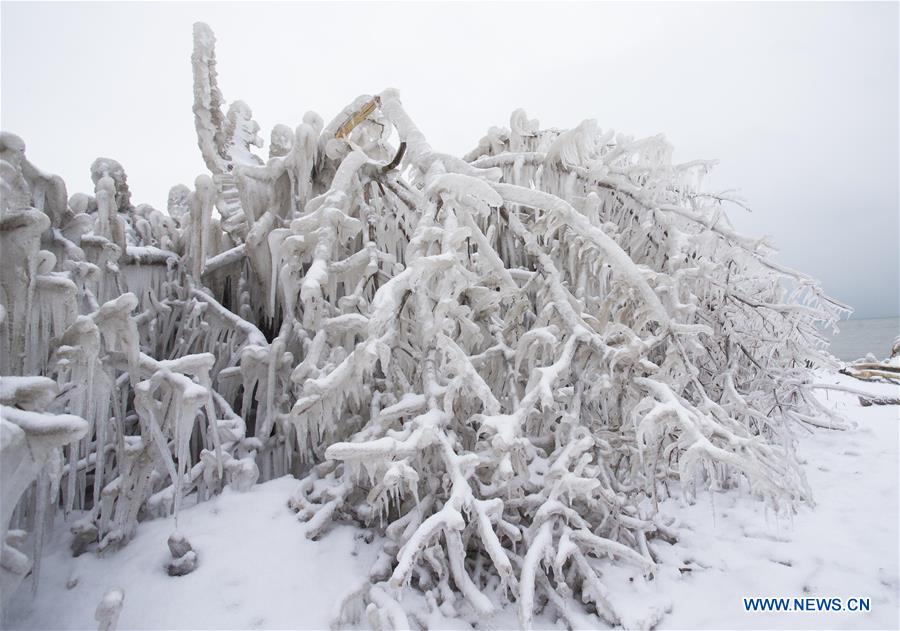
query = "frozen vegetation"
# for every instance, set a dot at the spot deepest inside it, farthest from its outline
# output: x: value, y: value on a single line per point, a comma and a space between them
x: 728, y: 548
x: 494, y: 377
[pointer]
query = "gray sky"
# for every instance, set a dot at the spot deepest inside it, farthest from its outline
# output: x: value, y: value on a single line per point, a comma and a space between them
x: 798, y: 101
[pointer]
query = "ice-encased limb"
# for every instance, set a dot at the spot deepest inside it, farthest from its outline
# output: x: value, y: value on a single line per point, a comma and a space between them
x: 302, y: 160
x: 29, y: 440
x: 26, y: 186
x: 208, y: 117
x: 201, y: 206
x: 28, y: 393
x: 20, y: 234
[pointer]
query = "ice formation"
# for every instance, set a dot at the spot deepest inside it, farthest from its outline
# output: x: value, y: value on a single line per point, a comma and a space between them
x: 501, y: 362
x: 30, y: 441
x: 108, y: 609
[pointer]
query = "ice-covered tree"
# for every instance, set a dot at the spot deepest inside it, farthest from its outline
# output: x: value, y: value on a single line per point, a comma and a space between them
x: 501, y: 362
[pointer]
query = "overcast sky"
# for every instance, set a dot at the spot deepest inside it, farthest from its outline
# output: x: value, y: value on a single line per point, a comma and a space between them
x: 798, y: 101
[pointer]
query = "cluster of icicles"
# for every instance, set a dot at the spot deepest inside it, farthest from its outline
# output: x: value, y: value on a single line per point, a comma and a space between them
x: 501, y: 362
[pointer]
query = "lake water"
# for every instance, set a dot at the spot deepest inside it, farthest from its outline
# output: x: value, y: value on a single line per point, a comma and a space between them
x: 860, y: 337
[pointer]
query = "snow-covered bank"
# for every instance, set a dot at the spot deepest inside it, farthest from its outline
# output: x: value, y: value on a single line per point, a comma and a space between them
x: 257, y: 569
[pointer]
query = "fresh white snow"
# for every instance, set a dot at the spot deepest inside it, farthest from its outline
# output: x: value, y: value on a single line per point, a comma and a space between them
x: 257, y: 570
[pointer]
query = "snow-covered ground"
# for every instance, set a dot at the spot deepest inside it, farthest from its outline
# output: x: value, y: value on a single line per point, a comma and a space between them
x: 257, y: 570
